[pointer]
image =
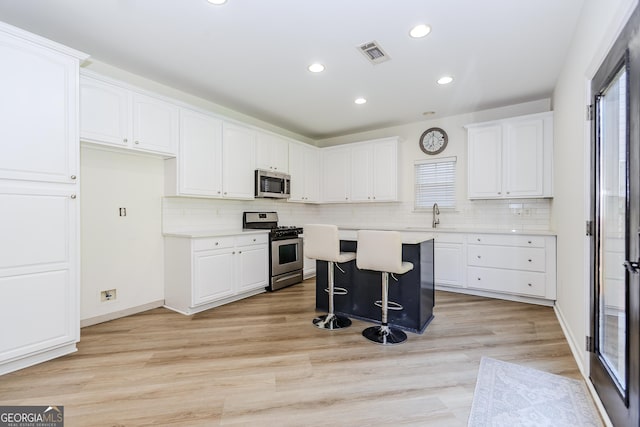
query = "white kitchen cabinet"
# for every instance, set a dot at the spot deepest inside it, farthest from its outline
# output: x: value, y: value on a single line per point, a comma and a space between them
x: 113, y: 114
x: 304, y: 168
x: 511, y: 158
x: 374, y: 171
x: 155, y: 125
x: 39, y: 151
x: 39, y: 86
x: 361, y: 172
x: 449, y: 258
x: 205, y: 272
x: 272, y: 152
x: 512, y: 264
x: 239, y: 161
x: 336, y: 174
x: 197, y: 170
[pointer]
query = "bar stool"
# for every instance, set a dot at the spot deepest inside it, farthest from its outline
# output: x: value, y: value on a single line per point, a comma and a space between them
x: 382, y: 251
x: 321, y: 242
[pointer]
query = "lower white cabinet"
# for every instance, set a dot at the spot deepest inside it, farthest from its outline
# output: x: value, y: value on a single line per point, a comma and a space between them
x: 205, y: 272
x: 449, y: 259
x: 39, y: 292
x: 518, y: 267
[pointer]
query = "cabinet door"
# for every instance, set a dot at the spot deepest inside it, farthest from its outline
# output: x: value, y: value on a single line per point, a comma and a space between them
x: 239, y: 162
x: 298, y: 172
x: 272, y: 153
x: 213, y: 276
x: 485, y: 162
x: 104, y: 113
x: 362, y: 173
x: 155, y: 125
x: 336, y: 174
x: 253, y: 267
x: 523, y: 158
x: 200, y: 159
x: 449, y: 264
x: 39, y: 290
x: 312, y: 174
x: 385, y: 171
x: 39, y: 130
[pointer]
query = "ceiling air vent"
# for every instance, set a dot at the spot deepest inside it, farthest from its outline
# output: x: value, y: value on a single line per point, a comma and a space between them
x: 373, y: 52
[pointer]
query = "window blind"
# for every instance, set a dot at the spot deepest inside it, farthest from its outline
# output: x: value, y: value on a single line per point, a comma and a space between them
x: 435, y: 182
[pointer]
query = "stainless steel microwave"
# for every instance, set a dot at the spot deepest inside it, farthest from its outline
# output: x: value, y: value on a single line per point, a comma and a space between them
x: 271, y: 184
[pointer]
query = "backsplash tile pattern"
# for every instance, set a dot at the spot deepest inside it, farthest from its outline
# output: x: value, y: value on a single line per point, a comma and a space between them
x: 182, y: 214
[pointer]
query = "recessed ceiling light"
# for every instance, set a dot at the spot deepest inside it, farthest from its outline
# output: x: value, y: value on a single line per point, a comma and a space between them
x: 360, y: 101
x: 445, y: 80
x: 420, y: 31
x: 316, y: 68
x: 217, y: 2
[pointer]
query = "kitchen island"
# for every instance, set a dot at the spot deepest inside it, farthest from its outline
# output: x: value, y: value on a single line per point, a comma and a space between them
x: 414, y: 290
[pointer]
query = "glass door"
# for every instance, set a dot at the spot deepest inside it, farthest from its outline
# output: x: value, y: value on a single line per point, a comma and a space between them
x: 616, y: 212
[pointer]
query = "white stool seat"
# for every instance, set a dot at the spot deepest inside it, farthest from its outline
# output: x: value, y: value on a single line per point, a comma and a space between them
x: 382, y: 251
x: 321, y: 242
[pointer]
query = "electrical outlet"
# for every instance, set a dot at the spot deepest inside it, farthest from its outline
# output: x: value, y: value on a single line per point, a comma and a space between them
x: 123, y: 211
x: 109, y: 295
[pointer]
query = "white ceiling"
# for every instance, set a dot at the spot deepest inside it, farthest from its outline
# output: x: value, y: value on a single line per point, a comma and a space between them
x: 252, y: 55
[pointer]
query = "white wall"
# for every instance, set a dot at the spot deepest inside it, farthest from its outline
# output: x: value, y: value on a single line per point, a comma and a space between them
x: 125, y: 253
x: 598, y: 26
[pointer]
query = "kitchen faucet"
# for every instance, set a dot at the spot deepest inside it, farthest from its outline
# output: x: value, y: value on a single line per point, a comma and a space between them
x: 436, y: 212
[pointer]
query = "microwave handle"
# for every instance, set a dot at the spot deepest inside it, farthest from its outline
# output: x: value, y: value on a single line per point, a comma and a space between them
x: 287, y: 185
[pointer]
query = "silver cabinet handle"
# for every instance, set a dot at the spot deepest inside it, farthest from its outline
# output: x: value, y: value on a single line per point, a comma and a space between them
x: 529, y: 284
x: 137, y: 142
x: 529, y: 260
x: 216, y: 243
x: 254, y: 240
x: 479, y: 278
x: 125, y: 140
x: 478, y: 240
x: 73, y: 196
x: 529, y: 242
x: 479, y: 257
x: 73, y: 177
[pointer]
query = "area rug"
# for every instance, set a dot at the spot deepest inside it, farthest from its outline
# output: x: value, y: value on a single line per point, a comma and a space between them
x: 511, y: 395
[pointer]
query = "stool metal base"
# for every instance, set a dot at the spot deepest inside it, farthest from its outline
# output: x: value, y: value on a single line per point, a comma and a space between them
x: 384, y: 335
x: 332, y: 321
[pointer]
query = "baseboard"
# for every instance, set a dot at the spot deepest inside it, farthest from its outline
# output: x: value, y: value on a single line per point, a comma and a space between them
x: 122, y: 313
x: 576, y: 351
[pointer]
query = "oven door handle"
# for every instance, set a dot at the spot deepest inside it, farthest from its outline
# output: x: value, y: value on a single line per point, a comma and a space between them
x: 287, y: 277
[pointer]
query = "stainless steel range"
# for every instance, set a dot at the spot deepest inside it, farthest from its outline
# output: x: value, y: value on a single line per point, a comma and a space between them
x: 285, y: 248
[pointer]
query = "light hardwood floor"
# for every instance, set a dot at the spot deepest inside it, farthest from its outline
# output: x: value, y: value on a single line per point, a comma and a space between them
x: 260, y: 361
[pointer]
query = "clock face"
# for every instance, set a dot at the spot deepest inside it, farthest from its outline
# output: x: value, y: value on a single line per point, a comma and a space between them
x: 433, y: 141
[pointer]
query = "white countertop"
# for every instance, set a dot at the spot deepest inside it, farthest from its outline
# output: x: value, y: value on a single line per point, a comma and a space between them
x: 407, y: 238
x: 213, y: 233
x: 466, y: 230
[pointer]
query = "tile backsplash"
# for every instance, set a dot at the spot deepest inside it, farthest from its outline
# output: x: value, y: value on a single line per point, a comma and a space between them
x: 182, y: 213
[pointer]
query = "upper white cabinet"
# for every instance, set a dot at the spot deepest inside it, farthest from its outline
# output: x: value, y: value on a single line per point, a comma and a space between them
x: 304, y: 168
x: 239, y: 161
x: 115, y: 115
x: 155, y: 125
x: 197, y: 170
x: 336, y: 174
x: 374, y: 171
x: 272, y: 152
x: 39, y: 151
x: 511, y: 158
x: 361, y: 172
x: 39, y: 132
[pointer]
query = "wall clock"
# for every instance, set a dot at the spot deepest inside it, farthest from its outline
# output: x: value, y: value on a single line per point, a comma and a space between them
x: 433, y: 141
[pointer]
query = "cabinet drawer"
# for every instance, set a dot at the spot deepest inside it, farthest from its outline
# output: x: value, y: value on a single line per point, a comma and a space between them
x: 440, y: 237
x: 209, y: 243
x: 508, y: 281
x: 513, y: 258
x: 506, y: 240
x: 252, y: 239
